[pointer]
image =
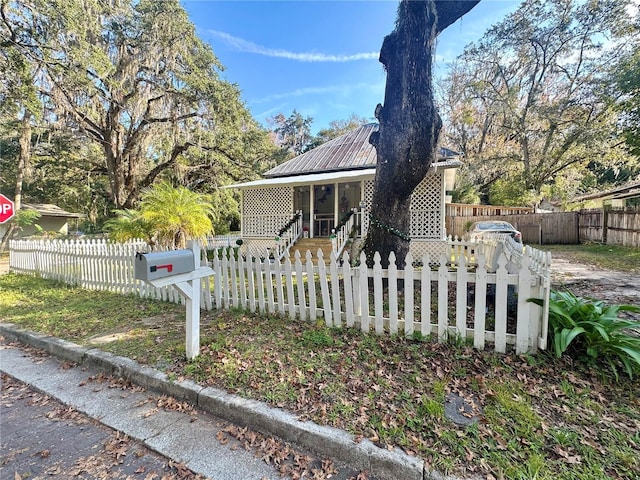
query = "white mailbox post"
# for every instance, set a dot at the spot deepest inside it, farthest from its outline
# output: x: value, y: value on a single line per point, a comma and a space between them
x: 182, y: 270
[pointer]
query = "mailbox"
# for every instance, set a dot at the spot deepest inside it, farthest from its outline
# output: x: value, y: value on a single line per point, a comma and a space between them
x: 150, y: 266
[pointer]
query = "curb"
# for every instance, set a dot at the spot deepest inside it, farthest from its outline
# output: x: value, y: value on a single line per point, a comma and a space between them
x: 321, y: 440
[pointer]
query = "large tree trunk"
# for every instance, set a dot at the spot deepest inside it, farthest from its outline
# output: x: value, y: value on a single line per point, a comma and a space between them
x: 409, y: 121
x: 24, y: 158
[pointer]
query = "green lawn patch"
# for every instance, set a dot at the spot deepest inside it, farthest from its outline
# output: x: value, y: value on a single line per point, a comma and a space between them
x: 541, y: 417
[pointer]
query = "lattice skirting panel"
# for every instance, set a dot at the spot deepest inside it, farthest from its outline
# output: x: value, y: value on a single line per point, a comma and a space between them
x: 368, y: 196
x: 433, y: 248
x: 418, y: 248
x: 424, y: 210
x: 257, y: 246
x: 268, y: 201
x: 426, y: 215
x: 266, y: 210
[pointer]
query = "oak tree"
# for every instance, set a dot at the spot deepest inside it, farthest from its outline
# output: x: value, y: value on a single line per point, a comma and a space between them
x: 133, y: 77
x: 407, y: 139
x: 527, y: 103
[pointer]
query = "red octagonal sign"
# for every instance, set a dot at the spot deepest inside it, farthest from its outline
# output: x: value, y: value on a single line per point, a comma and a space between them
x: 7, y: 210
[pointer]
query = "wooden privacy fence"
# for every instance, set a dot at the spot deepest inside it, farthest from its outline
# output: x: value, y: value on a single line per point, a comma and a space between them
x: 609, y: 226
x: 536, y: 228
x: 612, y: 227
x: 472, y: 291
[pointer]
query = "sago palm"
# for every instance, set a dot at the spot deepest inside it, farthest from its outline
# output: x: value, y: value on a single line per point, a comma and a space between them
x: 128, y: 225
x: 177, y: 213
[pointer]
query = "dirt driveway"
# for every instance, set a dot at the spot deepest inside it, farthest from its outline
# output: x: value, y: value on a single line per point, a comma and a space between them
x: 588, y: 281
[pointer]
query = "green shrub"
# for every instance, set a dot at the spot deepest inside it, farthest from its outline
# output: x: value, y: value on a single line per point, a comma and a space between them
x: 317, y: 338
x: 591, y: 329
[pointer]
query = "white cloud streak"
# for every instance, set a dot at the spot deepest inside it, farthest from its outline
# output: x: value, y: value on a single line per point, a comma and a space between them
x: 335, y: 90
x: 250, y: 47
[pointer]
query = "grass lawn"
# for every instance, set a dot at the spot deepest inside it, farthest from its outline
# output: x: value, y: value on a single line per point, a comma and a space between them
x: 541, y: 418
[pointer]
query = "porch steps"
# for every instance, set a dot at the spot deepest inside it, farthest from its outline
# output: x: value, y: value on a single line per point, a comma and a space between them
x: 311, y: 244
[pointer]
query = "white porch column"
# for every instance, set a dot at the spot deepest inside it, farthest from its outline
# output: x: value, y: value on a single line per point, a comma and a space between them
x: 336, y: 206
x: 312, y: 221
x: 443, y: 208
x: 361, y: 205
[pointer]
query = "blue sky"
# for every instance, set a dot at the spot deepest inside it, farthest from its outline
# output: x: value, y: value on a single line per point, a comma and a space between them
x: 318, y: 57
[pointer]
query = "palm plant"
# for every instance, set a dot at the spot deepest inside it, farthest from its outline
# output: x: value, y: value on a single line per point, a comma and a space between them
x: 582, y: 326
x: 177, y: 213
x: 128, y: 225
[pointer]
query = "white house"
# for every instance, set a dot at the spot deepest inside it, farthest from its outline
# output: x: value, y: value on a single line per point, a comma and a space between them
x: 312, y: 195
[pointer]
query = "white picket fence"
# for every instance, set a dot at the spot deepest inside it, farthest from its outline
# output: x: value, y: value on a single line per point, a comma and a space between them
x: 221, y: 241
x: 94, y: 264
x: 457, y: 296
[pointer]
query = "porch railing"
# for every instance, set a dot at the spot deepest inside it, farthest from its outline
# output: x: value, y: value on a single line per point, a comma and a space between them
x: 288, y: 235
x: 341, y: 236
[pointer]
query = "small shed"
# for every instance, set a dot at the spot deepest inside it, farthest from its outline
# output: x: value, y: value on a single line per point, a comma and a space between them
x: 52, y: 219
x: 619, y: 197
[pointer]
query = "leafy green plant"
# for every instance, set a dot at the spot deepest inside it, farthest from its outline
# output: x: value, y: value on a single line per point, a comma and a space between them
x: 169, y: 215
x: 317, y: 338
x: 594, y: 328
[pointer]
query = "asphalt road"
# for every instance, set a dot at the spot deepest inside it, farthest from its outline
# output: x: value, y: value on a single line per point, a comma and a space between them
x: 60, y: 420
x: 43, y: 438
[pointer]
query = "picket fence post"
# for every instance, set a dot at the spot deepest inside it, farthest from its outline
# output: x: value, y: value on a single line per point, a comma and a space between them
x: 349, y: 302
x: 291, y: 303
x: 393, y: 294
x: 479, y: 334
x: 524, y: 341
x: 443, y: 298
x: 409, y: 292
x: 313, y: 314
x: 461, y: 297
x: 501, y: 305
x: 425, y: 297
x: 279, y: 286
x: 377, y: 295
x: 302, y: 304
x: 267, y: 292
x: 324, y: 290
x: 363, y: 292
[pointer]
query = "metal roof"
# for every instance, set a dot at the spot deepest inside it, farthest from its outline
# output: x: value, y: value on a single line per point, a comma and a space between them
x: 51, y: 210
x: 330, y: 177
x: 346, y: 152
x: 627, y: 191
x: 310, y: 179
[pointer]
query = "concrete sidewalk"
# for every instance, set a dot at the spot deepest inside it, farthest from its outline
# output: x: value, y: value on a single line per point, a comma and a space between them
x: 175, y: 434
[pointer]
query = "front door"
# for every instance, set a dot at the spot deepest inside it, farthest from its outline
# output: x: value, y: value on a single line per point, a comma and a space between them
x: 331, y: 203
x: 324, y: 209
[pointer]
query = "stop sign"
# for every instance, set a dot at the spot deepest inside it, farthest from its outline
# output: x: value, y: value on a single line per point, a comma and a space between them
x: 7, y: 210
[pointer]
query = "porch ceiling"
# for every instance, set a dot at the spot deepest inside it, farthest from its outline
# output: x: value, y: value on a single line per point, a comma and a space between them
x: 312, y: 179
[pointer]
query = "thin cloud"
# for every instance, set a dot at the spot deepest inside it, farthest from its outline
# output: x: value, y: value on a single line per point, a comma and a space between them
x: 250, y: 47
x: 337, y: 90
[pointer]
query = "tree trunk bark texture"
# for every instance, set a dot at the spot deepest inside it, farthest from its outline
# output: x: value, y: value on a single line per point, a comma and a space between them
x: 407, y: 139
x: 24, y: 158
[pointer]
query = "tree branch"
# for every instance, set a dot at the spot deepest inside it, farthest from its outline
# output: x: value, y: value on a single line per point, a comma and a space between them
x: 450, y: 11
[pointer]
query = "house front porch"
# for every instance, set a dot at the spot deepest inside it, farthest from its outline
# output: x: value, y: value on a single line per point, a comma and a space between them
x: 327, y: 193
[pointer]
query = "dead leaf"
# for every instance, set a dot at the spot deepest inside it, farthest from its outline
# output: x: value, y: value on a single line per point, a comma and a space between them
x: 148, y: 413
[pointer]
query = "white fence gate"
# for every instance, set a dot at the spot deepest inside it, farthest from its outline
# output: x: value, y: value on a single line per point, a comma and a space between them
x: 473, y: 291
